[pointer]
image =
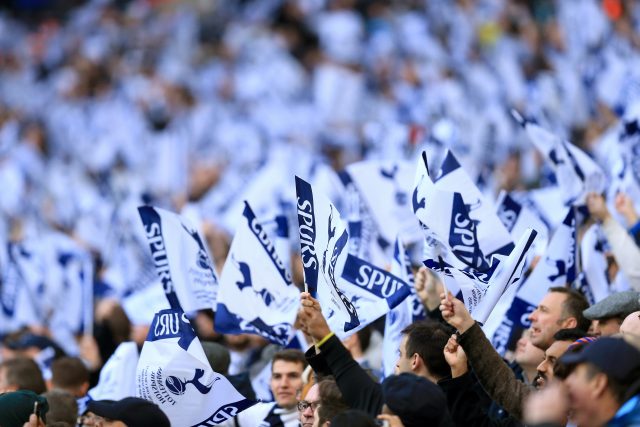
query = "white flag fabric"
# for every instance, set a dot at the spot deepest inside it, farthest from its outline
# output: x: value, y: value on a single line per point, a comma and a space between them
x: 493, y: 237
x: 181, y: 259
x: 173, y: 372
x: 576, y: 172
x: 446, y: 215
x: 118, y: 375
x: 323, y: 240
x: 256, y: 294
x: 23, y: 287
x: 352, y: 292
x: 481, y: 294
x: 517, y: 217
x: 405, y: 313
x: 594, y: 277
x: 372, y: 290
x: 556, y: 268
x: 365, y: 241
x: 385, y: 188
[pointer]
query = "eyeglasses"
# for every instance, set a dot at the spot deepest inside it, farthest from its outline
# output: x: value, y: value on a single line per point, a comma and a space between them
x: 303, y: 405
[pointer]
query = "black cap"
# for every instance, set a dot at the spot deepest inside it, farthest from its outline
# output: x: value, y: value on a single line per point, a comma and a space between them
x: 416, y: 400
x: 613, y: 356
x: 132, y: 411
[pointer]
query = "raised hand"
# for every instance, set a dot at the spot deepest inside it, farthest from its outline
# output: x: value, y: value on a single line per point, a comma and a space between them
x: 455, y: 313
x: 455, y: 357
x: 310, y: 318
x: 624, y: 206
x: 428, y: 287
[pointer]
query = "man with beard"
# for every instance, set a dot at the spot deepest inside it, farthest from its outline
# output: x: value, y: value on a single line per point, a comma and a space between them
x: 561, y: 308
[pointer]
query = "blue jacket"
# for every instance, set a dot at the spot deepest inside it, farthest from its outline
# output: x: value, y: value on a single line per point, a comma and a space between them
x: 628, y: 415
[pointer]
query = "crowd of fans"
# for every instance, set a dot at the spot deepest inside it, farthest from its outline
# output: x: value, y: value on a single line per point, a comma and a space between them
x: 184, y: 104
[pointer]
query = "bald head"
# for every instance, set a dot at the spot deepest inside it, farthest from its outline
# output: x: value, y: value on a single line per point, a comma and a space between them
x: 631, y: 324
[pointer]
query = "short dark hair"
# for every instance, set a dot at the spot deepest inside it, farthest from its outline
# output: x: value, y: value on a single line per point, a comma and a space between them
x: 69, y: 373
x: 326, y: 411
x: 63, y: 407
x: 329, y: 392
x: 24, y: 373
x: 353, y: 418
x: 428, y: 338
x: 290, y: 355
x: 569, y: 334
x: 573, y: 306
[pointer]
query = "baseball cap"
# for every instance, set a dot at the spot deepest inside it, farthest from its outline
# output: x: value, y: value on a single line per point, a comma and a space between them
x: 132, y: 411
x: 613, y: 356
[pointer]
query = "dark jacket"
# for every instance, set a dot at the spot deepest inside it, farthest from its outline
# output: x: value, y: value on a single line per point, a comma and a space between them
x: 469, y: 404
x: 359, y: 390
x: 493, y: 374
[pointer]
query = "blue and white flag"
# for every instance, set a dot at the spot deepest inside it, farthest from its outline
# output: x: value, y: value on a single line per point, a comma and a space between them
x: 405, y: 313
x: 118, y: 375
x: 517, y: 217
x: 74, y: 300
x: 181, y: 259
x: 173, y: 372
x: 627, y: 170
x: 385, y: 188
x: 23, y: 288
x: 556, y: 268
x: 365, y: 241
x: 352, y: 292
x: 493, y: 237
x: 256, y: 294
x: 372, y: 290
x: 594, y: 280
x: 482, y: 291
x: 446, y: 215
x: 576, y: 172
x: 323, y: 240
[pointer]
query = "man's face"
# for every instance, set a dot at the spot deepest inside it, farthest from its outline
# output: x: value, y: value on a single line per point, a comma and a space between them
x: 546, y: 320
x: 286, y: 380
x: 631, y: 325
x: 606, y: 327
x: 581, y: 395
x: 308, y: 417
x: 404, y: 361
x: 551, y: 356
x: 526, y: 353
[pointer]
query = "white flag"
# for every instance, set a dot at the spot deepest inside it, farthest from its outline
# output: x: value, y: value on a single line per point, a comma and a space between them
x: 481, y: 291
x: 372, y: 290
x: 446, y: 215
x: 594, y: 281
x: 323, y: 240
x: 405, y: 313
x: 493, y: 237
x: 118, y: 375
x: 181, y: 259
x: 576, y: 172
x: 517, y: 217
x: 385, y: 188
x: 256, y: 294
x: 173, y: 372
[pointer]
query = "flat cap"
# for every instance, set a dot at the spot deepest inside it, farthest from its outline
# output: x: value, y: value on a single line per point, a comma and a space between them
x: 619, y: 304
